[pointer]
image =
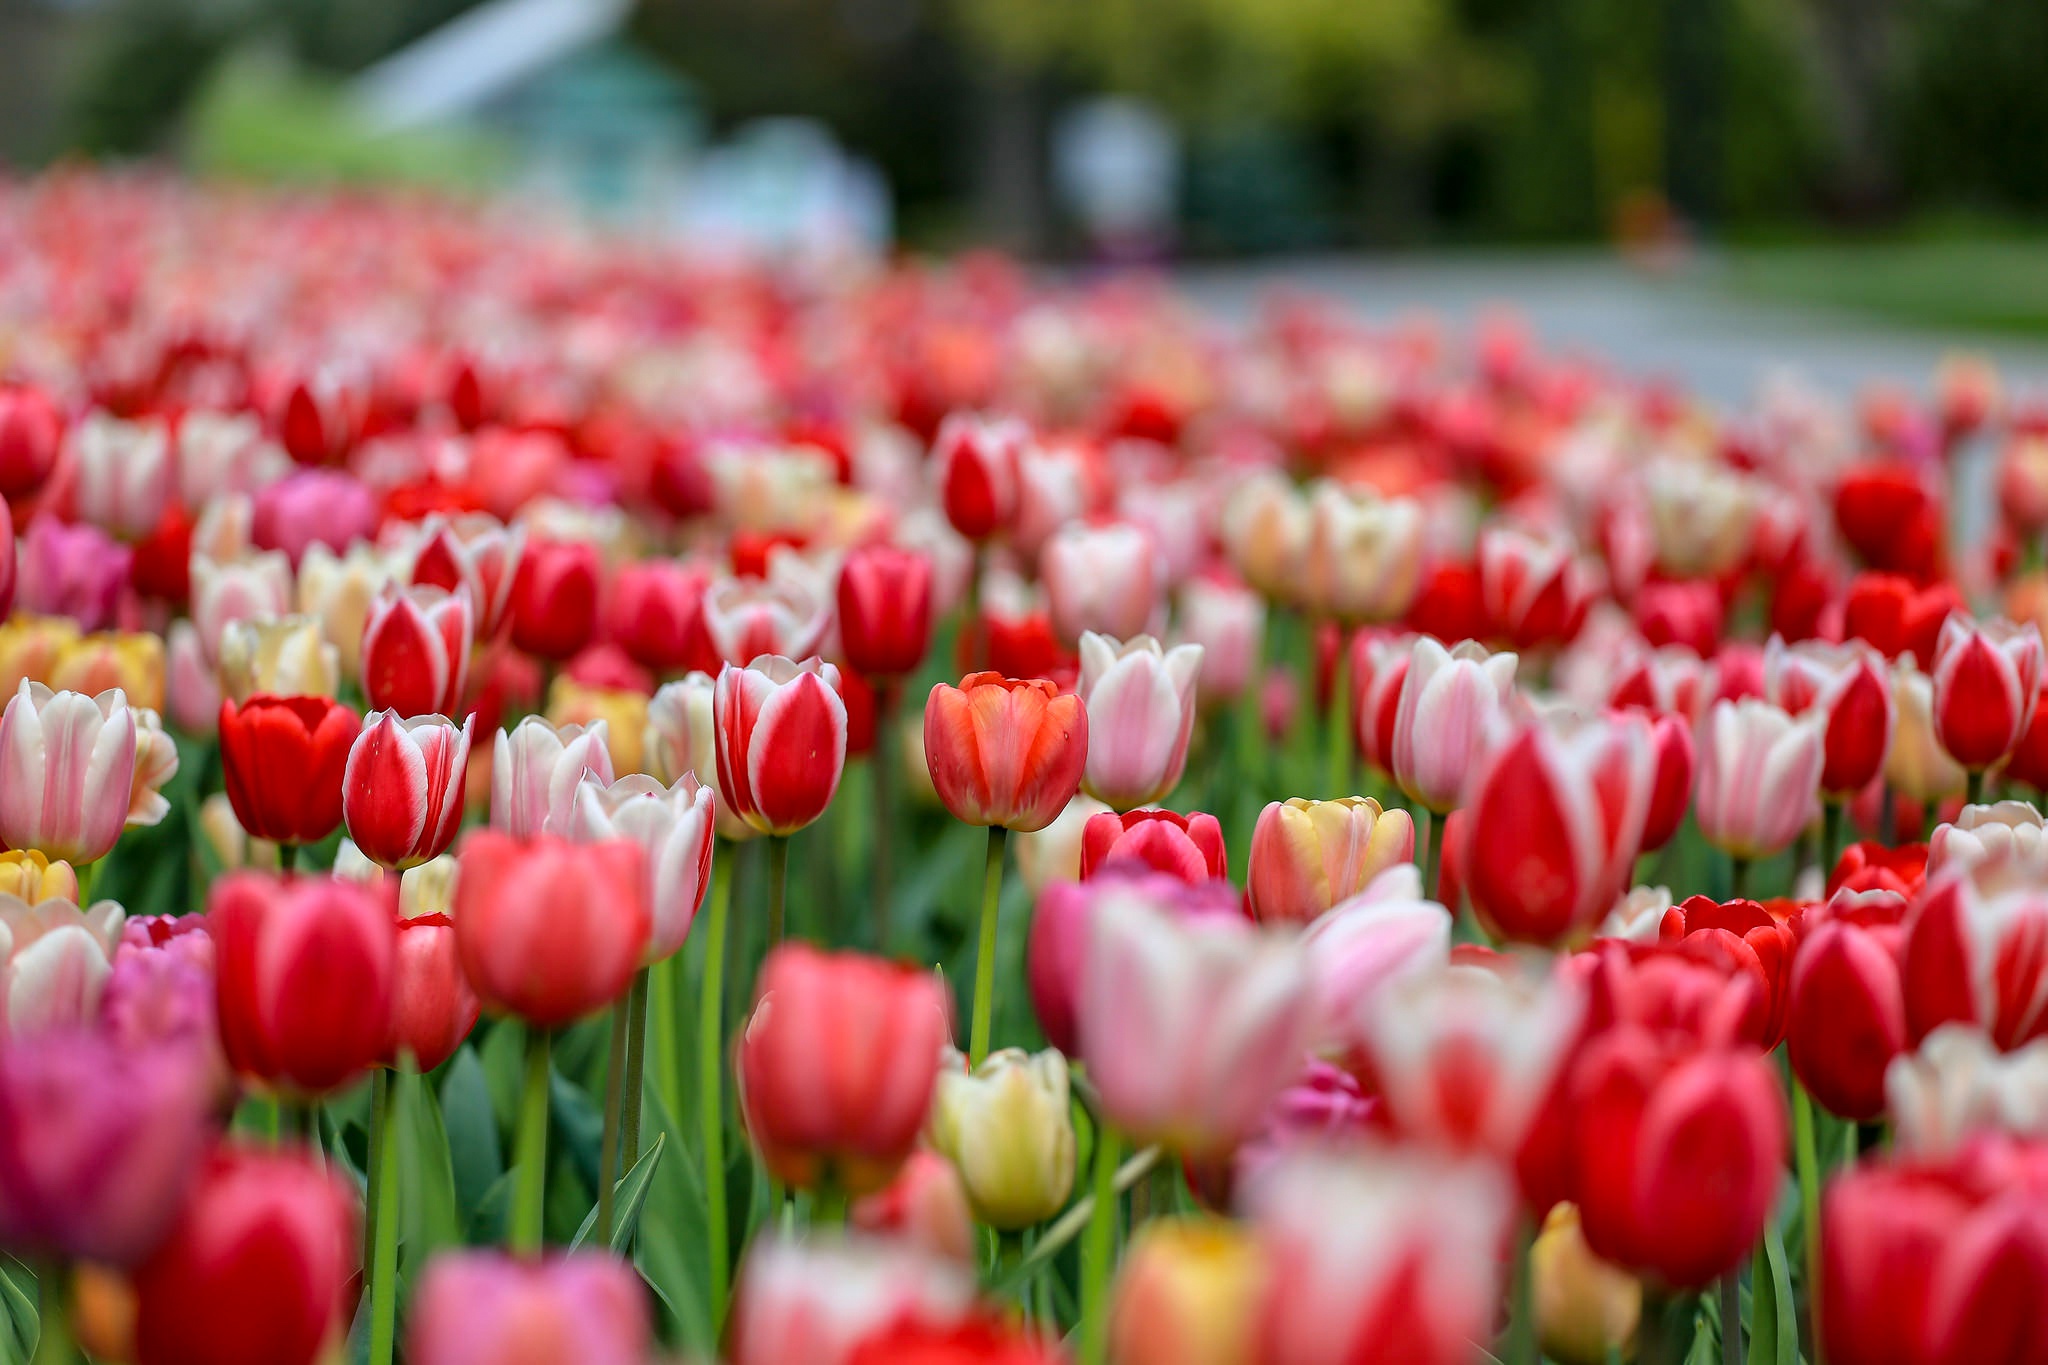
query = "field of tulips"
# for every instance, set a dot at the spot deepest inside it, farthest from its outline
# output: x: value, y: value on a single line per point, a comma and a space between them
x: 571, y: 802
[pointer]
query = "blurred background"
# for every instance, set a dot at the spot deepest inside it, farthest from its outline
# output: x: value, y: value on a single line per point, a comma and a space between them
x: 1874, y: 155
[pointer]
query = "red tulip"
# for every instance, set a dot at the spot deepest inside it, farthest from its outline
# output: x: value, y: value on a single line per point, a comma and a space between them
x: 31, y: 434
x: 402, y: 790
x: 1870, y: 866
x: 781, y: 736
x: 1018, y: 645
x: 2027, y: 764
x: 1976, y: 951
x: 1893, y: 614
x: 1845, y: 1014
x: 415, y: 655
x: 476, y: 552
x: 282, y: 760
x: 977, y: 472
x: 1189, y: 847
x: 1889, y: 517
x: 257, y: 1270
x: 977, y: 1341
x: 303, y: 976
x: 1450, y: 605
x: 1740, y: 936
x: 1687, y: 613
x: 655, y: 612
x: 549, y: 930
x: 1672, y: 791
x: 554, y: 598
x: 1005, y: 751
x: 1850, y: 686
x: 432, y: 1006
x: 319, y: 417
x: 885, y: 610
x: 1668, y: 990
x: 1536, y: 591
x: 837, y: 1066
x: 1986, y: 678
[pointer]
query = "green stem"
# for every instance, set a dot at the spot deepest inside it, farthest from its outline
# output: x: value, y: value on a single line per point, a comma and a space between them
x: 662, y: 1030
x: 985, y: 961
x: 530, y: 1153
x: 1337, y: 741
x: 828, y: 1206
x: 1738, y: 878
x: 54, y: 1345
x: 882, y: 763
x: 1096, y: 1252
x: 287, y: 857
x: 88, y: 874
x: 1807, y: 1156
x: 1433, y: 853
x: 710, y: 1078
x: 383, y: 1217
x: 1520, y: 1347
x: 1074, y: 1220
x: 1653, y: 1337
x: 1830, y: 838
x: 636, y: 1072
x: 1731, y: 1315
x: 380, y: 1081
x: 614, y: 1100
x: 1973, y: 790
x: 778, y: 881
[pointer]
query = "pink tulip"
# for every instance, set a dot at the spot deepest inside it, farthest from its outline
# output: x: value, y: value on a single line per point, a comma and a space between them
x: 811, y: 1302
x: 674, y: 824
x: 415, y: 655
x: 486, y: 1308
x: 1052, y: 491
x: 1363, y: 946
x: 1190, y: 1027
x: 1189, y: 847
x: 1452, y: 702
x: 1141, y: 715
x: 67, y: 768
x: 749, y: 617
x: 162, y: 991
x: 121, y: 473
x: 54, y: 963
x: 1106, y: 578
x: 402, y: 790
x: 1228, y: 620
x: 255, y: 588
x: 75, y: 571
x: 535, y: 770
x: 191, y: 686
x: 313, y: 507
x: 476, y: 552
x: 1759, y: 776
x: 781, y: 732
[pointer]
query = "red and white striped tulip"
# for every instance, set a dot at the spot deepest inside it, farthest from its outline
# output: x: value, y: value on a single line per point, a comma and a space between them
x: 477, y: 552
x: 415, y: 653
x: 1986, y: 677
x: 402, y: 791
x: 674, y: 824
x: 781, y: 736
x: 1850, y: 687
x: 535, y: 770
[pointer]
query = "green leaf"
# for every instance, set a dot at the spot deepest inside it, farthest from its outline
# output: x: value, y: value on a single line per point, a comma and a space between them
x: 487, y: 1221
x: 1774, y: 1325
x: 673, y: 1254
x: 629, y: 1196
x: 503, y: 1055
x: 471, y: 1126
x: 20, y: 1323
x: 429, y: 1219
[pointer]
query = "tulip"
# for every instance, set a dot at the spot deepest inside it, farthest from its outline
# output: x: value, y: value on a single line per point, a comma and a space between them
x: 1141, y: 715
x: 319, y: 415
x: 1586, y: 1310
x: 2023, y: 484
x: 68, y: 764
x: 1703, y: 516
x: 1849, y: 687
x: 1759, y: 775
x: 161, y: 992
x: 1187, y: 1293
x: 1189, y: 847
x: 1673, y: 680
x: 286, y: 657
x: 924, y: 1207
x: 338, y: 592
x: 1959, y: 1085
x: 476, y: 552
x: 1868, y: 866
x: 1985, y: 681
x: 1265, y: 526
x: 623, y: 710
x: 1055, y: 485
x: 1005, y: 1125
x: 1918, y: 767
x: 1005, y: 752
x: 256, y: 1269
x: 1972, y: 954
x: 749, y: 617
x: 1053, y: 854
x: 401, y: 790
x: 1307, y: 856
x: 554, y: 598
x: 486, y: 1308
x: 674, y: 826
x: 72, y: 571
x: 1671, y: 794
x: 1684, y: 615
x: 1452, y: 702
x: 1362, y: 947
x: 31, y: 877
x: 976, y: 460
x: 1556, y: 816
x: 283, y: 760
x: 432, y: 1006
x: 415, y: 655
x: 815, y: 1301
x: 1898, y: 617
x: 1228, y: 621
x: 1535, y: 591
x: 1379, y: 670
x: 548, y: 930
x: 30, y: 647
x: 837, y: 1066
x: 132, y: 661
x: 1105, y: 579
x: 99, y: 1140
x: 885, y: 610
x: 781, y: 740
x: 31, y: 434
x: 1189, y: 1027
x: 191, y: 687
x: 304, y: 978
x: 655, y: 612
x: 535, y: 769
x: 54, y: 962
x: 1362, y: 560
x: 312, y: 507
x: 1890, y: 517
x: 1379, y: 1256
x: 121, y: 473
x: 257, y: 588
x: 2009, y: 830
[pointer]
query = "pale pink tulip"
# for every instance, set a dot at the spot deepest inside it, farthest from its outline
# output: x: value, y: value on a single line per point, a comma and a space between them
x: 1452, y: 702
x: 749, y: 617
x: 54, y: 963
x: 1363, y: 557
x: 253, y: 588
x: 1364, y: 945
x: 1108, y: 579
x: 121, y: 473
x: 67, y: 771
x: 1228, y: 620
x: 535, y: 770
x: 1759, y: 776
x: 1141, y: 715
x: 674, y: 824
x: 811, y: 1302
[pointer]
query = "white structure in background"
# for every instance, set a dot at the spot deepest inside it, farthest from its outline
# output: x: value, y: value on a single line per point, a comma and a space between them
x: 596, y: 123
x: 1116, y: 164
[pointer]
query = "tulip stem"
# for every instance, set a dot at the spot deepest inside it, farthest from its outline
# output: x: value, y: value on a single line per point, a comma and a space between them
x: 1337, y: 737
x: 287, y: 857
x: 1731, y: 1315
x: 1520, y: 1347
x: 985, y: 960
x: 710, y: 1080
x: 53, y: 1311
x: 636, y: 1072
x: 384, y: 1249
x: 778, y: 880
x: 1738, y: 878
x: 1973, y: 790
x: 662, y: 1028
x: 614, y: 1102
x: 1830, y: 838
x: 1096, y: 1251
x: 1078, y: 1217
x: 1433, y: 852
x: 882, y: 765
x: 530, y: 1154
x: 1807, y: 1155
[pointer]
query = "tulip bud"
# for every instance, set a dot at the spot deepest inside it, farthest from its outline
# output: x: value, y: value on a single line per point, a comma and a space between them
x: 885, y: 610
x: 1759, y: 776
x: 338, y: 590
x: 415, y: 657
x: 1959, y: 1085
x: 1106, y: 579
x: 925, y: 1206
x: 1585, y: 1308
x: 1005, y: 751
x: 283, y: 760
x: 535, y: 768
x: 31, y: 434
x: 1968, y: 954
x: 976, y: 460
x: 432, y: 1006
x: 1265, y: 527
x: 130, y: 661
x: 121, y: 473
x: 1362, y: 560
x: 67, y: 768
x: 1307, y: 856
x: 1918, y: 768
x: 1849, y: 687
x: 401, y: 790
x: 549, y: 930
x: 1536, y: 591
x: 815, y: 1301
x: 781, y: 739
x: 1187, y: 1293
x: 286, y: 657
x: 1141, y: 709
x: 256, y: 588
x: 1189, y: 847
x: 1005, y: 1125
x: 54, y: 962
x: 1845, y: 1016
x: 748, y: 617
x: 674, y: 826
x: 622, y: 710
x: 655, y: 612
x: 554, y: 600
x: 476, y: 552
x: 1985, y: 678
x: 31, y: 877
x: 1982, y: 834
x: 311, y: 507
x: 1452, y: 702
x: 1228, y: 621
x: 486, y: 1308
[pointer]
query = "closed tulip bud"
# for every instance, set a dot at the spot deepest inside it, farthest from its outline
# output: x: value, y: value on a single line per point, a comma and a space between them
x: 1673, y: 680
x: 1228, y: 621
x: 130, y: 661
x: 1759, y: 776
x: 401, y: 790
x: 30, y: 876
x: 255, y: 588
x: 654, y: 610
x: 1189, y: 847
x: 1970, y: 954
x: 487, y: 1308
x: 1555, y: 818
x: 925, y: 1207
x: 1986, y: 678
x: 1702, y: 515
x: 304, y: 969
x: 1265, y: 528
x: 1364, y: 945
x: 749, y: 617
x: 1363, y: 556
x: 1671, y: 793
x: 1586, y: 1309
x: 1308, y: 856
x: 1189, y: 1027
x: 815, y: 1301
x: 1055, y: 485
x: 535, y: 769
x: 1957, y: 1085
x: 1379, y: 670
x: 1005, y: 751
x: 674, y: 825
x: 1845, y: 1016
x: 432, y: 1006
x: 286, y: 657
x: 976, y: 462
x: 2023, y: 483
x: 1849, y: 687
x: 548, y: 930
x: 885, y: 610
x: 338, y: 590
x: 1005, y: 1125
x: 283, y: 760
x: 781, y: 741
x: 121, y: 473
x: 1897, y: 616
x: 837, y: 1066
x: 99, y: 1139
x: 67, y: 768
x: 1452, y: 703
x: 476, y: 552
x: 554, y: 598
x: 55, y: 960
x: 191, y: 687
x: 1382, y: 1255
x: 416, y: 644
x: 257, y: 1268
x: 1141, y: 716
x: 1917, y: 767
x: 1053, y: 854
x: 1187, y: 1293
x: 1535, y: 591
x: 1107, y: 579
x: 31, y: 434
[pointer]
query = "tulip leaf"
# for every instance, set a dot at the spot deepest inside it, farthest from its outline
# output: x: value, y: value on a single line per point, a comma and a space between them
x: 426, y: 1178
x: 18, y: 1308
x: 629, y: 1196
x: 472, y: 1129
x: 672, y: 1252
x: 1774, y: 1330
